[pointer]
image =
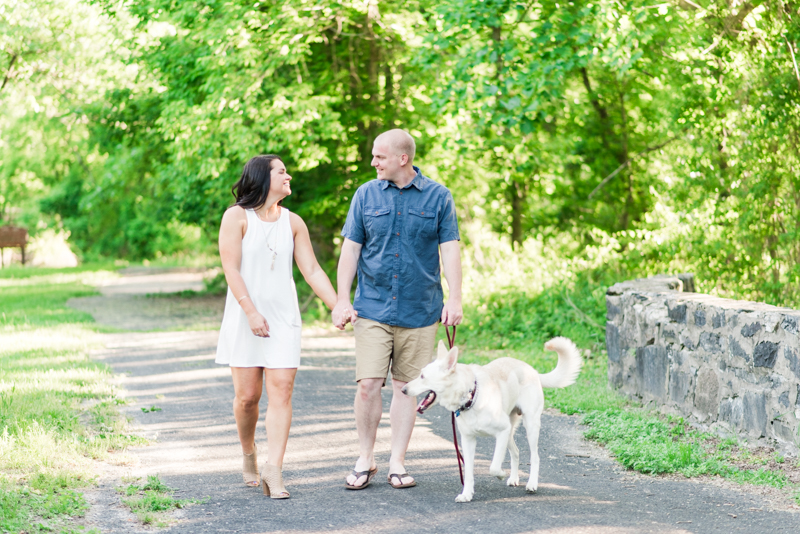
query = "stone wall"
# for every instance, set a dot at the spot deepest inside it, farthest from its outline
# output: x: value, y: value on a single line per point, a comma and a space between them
x: 731, y: 366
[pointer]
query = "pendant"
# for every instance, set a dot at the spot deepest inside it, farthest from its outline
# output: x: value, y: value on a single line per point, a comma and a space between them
x: 274, y: 255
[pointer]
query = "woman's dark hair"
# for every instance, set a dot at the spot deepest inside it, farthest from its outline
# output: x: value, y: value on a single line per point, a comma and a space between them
x: 253, y: 187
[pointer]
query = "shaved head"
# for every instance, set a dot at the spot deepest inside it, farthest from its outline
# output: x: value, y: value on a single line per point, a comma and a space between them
x: 400, y: 141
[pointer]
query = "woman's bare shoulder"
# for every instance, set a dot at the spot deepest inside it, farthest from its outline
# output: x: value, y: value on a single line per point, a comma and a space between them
x: 234, y: 217
x: 298, y: 224
x: 234, y: 213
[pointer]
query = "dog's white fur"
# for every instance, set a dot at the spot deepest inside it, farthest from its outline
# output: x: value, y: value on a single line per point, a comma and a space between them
x: 509, y: 391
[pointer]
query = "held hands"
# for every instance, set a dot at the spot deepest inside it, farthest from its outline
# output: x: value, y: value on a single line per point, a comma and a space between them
x: 342, y: 314
x: 452, y: 313
x: 258, y: 324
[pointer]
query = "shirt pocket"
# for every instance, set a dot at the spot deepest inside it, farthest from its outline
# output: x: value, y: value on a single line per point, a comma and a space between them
x: 422, y: 222
x: 377, y: 221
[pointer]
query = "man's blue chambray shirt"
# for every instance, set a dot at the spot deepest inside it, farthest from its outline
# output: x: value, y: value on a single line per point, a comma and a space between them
x: 400, y: 230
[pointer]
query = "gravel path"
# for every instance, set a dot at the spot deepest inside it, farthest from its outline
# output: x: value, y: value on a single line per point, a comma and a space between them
x: 196, y: 450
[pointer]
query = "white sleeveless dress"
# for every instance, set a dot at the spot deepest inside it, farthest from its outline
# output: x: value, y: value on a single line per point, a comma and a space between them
x: 273, y: 292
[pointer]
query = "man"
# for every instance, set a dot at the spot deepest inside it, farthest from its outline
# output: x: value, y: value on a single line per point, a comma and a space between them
x: 392, y: 237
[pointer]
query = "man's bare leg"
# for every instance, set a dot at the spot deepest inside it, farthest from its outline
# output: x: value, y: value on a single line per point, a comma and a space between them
x: 402, y: 415
x: 368, y: 408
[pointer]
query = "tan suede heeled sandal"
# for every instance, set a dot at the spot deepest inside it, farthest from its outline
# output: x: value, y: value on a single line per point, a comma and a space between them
x: 272, y: 482
x: 250, y: 468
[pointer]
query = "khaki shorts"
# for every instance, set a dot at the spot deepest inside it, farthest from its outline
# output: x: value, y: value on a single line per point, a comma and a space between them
x: 407, y: 349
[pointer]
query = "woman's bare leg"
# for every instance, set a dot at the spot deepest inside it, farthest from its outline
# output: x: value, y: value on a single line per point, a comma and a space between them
x: 280, y: 384
x: 247, y: 385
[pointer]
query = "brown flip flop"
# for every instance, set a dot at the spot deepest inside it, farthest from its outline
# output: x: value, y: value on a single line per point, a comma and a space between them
x: 400, y: 480
x: 358, y: 474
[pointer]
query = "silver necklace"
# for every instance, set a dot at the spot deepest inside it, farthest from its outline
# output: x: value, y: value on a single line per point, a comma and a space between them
x: 274, y: 249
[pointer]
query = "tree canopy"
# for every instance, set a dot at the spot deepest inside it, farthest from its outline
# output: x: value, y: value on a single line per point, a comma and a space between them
x: 667, y: 130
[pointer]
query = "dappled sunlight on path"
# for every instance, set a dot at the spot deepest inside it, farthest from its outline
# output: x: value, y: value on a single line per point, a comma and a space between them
x: 188, y: 399
x: 181, y: 400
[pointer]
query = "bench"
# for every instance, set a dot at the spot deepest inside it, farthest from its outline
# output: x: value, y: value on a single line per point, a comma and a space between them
x: 11, y: 236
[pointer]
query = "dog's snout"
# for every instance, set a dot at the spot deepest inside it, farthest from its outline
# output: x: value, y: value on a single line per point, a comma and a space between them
x: 405, y: 390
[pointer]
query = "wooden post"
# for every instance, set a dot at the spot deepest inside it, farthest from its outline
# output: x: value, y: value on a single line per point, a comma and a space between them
x: 11, y: 236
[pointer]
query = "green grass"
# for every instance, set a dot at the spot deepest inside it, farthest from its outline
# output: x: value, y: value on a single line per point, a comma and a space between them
x: 151, y: 501
x: 19, y: 272
x: 655, y: 445
x: 49, y: 499
x: 59, y: 410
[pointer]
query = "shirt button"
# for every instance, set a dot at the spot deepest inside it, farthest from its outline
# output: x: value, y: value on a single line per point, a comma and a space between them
x: 398, y: 233
x: 401, y: 192
x: 395, y: 276
x: 396, y: 255
x: 423, y: 213
x: 398, y: 213
x: 394, y: 298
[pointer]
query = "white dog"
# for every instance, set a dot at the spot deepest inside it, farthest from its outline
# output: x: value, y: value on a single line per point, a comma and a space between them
x: 491, y: 400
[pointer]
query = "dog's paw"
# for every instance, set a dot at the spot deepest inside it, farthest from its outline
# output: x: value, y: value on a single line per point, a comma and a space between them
x: 531, y: 488
x: 512, y: 481
x: 499, y: 473
x: 464, y: 497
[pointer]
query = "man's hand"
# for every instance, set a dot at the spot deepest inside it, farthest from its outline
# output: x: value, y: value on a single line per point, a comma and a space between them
x: 452, y: 313
x: 343, y: 313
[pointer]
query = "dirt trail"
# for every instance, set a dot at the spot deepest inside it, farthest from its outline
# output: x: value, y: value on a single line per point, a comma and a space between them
x: 124, y: 303
x: 196, y: 450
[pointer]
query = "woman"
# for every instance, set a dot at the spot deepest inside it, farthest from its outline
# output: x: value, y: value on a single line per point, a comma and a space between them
x: 260, y: 333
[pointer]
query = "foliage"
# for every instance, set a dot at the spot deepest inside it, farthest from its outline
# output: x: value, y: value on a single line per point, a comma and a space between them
x: 668, y: 129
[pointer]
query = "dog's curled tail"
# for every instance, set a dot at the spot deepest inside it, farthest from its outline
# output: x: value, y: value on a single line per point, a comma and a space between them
x: 569, y: 364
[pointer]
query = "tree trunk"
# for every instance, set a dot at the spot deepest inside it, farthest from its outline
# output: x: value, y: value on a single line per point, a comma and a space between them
x: 622, y: 157
x: 517, y: 192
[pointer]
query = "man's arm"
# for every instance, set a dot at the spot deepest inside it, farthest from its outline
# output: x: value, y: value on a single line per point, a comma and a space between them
x: 451, y: 262
x: 346, y: 273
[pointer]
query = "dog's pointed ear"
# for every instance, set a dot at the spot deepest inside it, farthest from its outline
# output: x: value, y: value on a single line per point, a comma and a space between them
x: 442, y: 351
x: 452, y: 359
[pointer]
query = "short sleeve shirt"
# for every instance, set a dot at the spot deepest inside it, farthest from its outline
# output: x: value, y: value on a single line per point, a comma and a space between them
x: 400, y: 230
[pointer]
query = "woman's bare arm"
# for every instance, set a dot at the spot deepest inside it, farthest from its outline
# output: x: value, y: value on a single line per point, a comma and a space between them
x: 308, y: 264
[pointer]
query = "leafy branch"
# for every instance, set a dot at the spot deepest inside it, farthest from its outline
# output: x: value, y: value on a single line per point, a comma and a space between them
x: 628, y: 162
x: 8, y: 71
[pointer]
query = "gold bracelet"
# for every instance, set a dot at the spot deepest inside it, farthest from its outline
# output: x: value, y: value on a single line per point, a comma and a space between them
x: 244, y: 297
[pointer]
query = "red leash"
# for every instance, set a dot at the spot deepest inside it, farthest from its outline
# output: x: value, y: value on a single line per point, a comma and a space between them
x: 451, y: 341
